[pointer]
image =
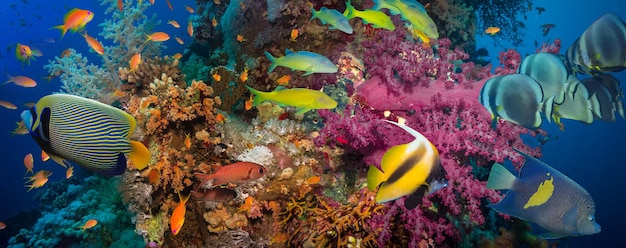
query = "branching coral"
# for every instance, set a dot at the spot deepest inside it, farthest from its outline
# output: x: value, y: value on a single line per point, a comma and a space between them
x: 151, y: 69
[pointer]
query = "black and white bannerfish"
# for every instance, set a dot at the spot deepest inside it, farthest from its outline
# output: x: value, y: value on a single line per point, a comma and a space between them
x: 90, y: 133
x: 517, y: 98
x: 601, y: 48
x: 546, y: 197
x: 412, y: 169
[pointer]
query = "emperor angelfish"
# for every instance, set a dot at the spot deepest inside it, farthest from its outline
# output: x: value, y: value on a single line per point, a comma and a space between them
x: 517, y: 98
x: 412, y: 169
x: 601, y: 48
x: 545, y: 197
x: 90, y: 133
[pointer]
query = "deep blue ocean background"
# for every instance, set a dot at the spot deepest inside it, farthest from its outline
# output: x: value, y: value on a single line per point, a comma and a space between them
x: 592, y: 155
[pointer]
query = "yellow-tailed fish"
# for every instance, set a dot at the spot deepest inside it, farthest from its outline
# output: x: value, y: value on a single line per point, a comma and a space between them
x: 92, y: 134
x: 415, y: 13
x: 303, y: 99
x: 546, y: 197
x: 412, y: 169
x: 376, y: 18
x: 306, y: 61
x: 75, y: 20
x: 178, y: 216
x: 492, y: 30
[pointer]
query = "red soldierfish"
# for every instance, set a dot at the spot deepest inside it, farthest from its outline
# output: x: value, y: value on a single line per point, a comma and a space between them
x: 215, y: 194
x: 239, y: 172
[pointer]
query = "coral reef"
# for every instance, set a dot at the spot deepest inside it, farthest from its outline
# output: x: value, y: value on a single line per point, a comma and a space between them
x: 151, y: 69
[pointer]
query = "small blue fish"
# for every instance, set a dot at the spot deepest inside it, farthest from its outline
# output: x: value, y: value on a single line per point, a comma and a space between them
x: 334, y: 18
x: 309, y: 62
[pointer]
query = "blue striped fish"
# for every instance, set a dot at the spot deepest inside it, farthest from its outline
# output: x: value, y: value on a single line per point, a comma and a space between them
x: 92, y: 134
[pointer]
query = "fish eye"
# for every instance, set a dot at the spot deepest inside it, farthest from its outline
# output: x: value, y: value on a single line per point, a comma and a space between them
x: 262, y: 171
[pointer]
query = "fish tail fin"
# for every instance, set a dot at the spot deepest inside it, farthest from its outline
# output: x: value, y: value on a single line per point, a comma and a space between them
x: 314, y: 13
x: 140, y: 155
x: 204, y: 177
x: 62, y: 28
x: 59, y: 160
x: 182, y: 198
x: 272, y: 60
x: 258, y: 98
x: 350, y: 10
x: 374, y: 178
x: 595, y: 106
x: 500, y: 178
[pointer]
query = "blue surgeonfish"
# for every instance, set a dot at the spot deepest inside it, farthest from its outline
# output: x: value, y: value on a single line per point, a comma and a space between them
x: 545, y: 197
x: 601, y: 48
x: 90, y: 133
x: 516, y: 98
x: 334, y: 18
x: 309, y: 62
x: 412, y: 169
x: 549, y: 71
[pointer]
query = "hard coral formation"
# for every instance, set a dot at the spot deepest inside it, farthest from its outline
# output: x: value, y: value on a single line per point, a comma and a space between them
x: 150, y: 70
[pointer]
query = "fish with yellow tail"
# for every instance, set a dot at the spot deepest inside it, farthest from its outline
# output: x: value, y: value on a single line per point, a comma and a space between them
x: 75, y: 20
x: 87, y: 132
x: 411, y: 169
x: 306, y: 61
x: 376, y: 18
x: 178, y: 216
x: 303, y: 99
x: 544, y: 196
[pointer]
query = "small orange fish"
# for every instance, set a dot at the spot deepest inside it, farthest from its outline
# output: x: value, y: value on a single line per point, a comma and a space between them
x: 215, y: 194
x: 134, y: 62
x: 20, y: 129
x: 120, y: 5
x: 178, y: 216
x: 214, y: 22
x: 220, y: 118
x: 244, y: 75
x: 7, y: 105
x: 2, y: 225
x: 247, y: 204
x: 151, y: 2
x: 75, y: 20
x: 177, y: 56
x: 190, y: 29
x: 239, y: 172
x: 217, y: 2
x: 38, y: 180
x: 169, y: 5
x: 179, y: 40
x: 158, y: 37
x: 66, y: 53
x: 89, y: 224
x: 69, y: 172
x: 313, y: 180
x: 28, y: 163
x: 21, y: 81
x: 44, y: 156
x: 173, y: 23
x: 248, y: 104
x: 189, y: 9
x: 240, y: 38
x: 217, y: 77
x: 94, y: 44
x: 284, y: 80
x: 187, y: 141
x: 492, y: 30
x: 294, y: 35
x: 23, y: 53
x: 153, y: 176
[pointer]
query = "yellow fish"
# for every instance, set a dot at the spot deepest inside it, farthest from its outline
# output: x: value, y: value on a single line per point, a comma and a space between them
x: 303, y: 99
x: 412, y: 169
x: 492, y: 30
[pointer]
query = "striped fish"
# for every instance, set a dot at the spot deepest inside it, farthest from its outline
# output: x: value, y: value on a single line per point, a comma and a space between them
x: 87, y: 132
x: 410, y: 169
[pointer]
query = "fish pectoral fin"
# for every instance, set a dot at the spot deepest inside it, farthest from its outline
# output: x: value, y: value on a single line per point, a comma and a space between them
x: 140, y: 155
x: 416, y: 198
x: 59, y: 160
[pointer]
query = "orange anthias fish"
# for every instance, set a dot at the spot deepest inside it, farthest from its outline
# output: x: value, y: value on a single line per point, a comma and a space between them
x: 492, y: 30
x: 120, y: 5
x: 244, y: 75
x: 153, y: 176
x: 66, y: 53
x: 214, y: 22
x: 20, y: 129
x: 75, y: 20
x: 248, y: 103
x: 2, y: 225
x: 239, y: 172
x: 169, y: 5
x: 240, y: 38
x: 69, y: 172
x: 38, y: 180
x: 187, y: 141
x: 28, y: 163
x: 189, y: 9
x: 173, y: 23
x: 179, y: 40
x: 44, y: 156
x: 89, y: 224
x: 158, y: 37
x: 284, y: 80
x: 190, y: 29
x: 294, y: 35
x: 7, y: 105
x: 23, y: 53
x: 177, y: 56
x: 21, y: 81
x: 134, y: 62
x: 178, y: 216
x: 217, y: 77
x: 220, y: 118
x: 94, y: 44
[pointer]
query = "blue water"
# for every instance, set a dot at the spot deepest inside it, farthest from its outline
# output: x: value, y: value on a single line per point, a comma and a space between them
x: 592, y: 155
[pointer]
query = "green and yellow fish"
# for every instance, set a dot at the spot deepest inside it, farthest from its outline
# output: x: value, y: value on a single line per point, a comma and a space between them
x: 306, y: 61
x: 376, y: 18
x: 413, y: 12
x: 303, y: 99
x: 546, y: 197
x: 408, y: 169
x: 90, y: 133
